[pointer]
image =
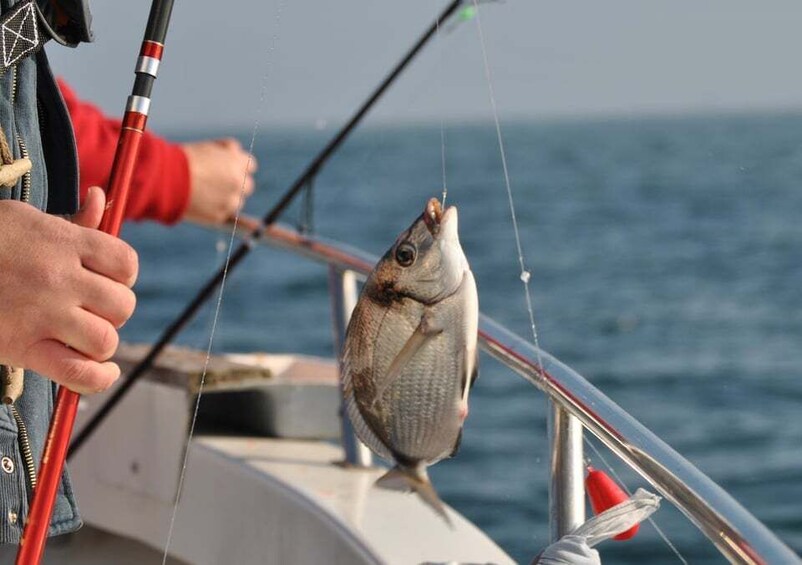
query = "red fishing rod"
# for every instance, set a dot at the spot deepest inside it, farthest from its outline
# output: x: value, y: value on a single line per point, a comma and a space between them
x: 37, y: 525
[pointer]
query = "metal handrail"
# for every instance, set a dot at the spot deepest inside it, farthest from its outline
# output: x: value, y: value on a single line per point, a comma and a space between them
x: 738, y: 535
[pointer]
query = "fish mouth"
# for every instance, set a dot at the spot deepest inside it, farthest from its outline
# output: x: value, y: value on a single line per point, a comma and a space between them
x: 435, y: 217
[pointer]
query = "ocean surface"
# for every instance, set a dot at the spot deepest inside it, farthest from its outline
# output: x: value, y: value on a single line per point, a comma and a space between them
x: 666, y: 261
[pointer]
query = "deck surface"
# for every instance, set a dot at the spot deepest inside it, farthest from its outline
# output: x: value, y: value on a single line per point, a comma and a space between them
x: 246, y: 500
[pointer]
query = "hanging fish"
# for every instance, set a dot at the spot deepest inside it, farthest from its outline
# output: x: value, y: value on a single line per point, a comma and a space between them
x: 410, y: 353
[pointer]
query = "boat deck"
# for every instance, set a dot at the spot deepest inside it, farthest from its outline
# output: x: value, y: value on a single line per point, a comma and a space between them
x: 247, y: 499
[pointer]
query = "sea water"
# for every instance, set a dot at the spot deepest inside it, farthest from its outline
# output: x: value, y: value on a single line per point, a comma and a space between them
x: 666, y: 267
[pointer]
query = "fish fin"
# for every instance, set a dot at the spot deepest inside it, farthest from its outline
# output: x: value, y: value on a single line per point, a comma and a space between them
x: 475, y: 372
x: 456, y: 444
x: 406, y: 479
x: 469, y: 379
x: 345, y: 370
x: 419, y: 337
x: 395, y: 479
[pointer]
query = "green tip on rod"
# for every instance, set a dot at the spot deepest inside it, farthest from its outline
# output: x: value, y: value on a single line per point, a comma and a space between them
x: 467, y: 13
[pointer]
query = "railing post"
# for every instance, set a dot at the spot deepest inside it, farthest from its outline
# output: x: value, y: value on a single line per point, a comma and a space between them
x: 567, y: 489
x: 343, y: 291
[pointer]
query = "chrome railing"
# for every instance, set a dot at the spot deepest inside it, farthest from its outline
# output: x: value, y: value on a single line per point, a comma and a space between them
x: 344, y: 294
x: 576, y: 404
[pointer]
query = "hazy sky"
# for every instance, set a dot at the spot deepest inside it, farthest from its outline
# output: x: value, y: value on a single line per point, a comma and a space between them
x: 548, y: 58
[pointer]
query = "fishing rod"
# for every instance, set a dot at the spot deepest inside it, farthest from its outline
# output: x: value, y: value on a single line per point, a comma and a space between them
x: 245, y: 247
x: 34, y: 534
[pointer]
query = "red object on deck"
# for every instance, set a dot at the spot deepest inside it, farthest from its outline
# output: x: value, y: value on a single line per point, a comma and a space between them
x: 605, y: 493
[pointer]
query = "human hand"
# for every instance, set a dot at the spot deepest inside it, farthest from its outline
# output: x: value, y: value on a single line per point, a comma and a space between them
x: 219, y: 171
x: 63, y: 283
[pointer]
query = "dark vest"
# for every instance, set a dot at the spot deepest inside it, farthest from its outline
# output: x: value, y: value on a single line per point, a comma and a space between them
x: 35, y: 121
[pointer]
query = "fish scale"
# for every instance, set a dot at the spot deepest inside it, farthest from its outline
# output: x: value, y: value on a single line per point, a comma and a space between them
x: 418, y: 436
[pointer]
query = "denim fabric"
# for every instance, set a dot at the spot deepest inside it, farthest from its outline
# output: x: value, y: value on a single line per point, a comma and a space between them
x: 53, y: 188
x: 13, y: 487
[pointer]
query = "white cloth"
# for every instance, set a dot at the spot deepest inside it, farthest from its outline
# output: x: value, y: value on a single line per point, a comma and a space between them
x: 569, y: 550
x: 575, y: 548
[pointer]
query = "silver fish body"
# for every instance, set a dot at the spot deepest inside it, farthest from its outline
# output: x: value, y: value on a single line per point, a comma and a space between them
x: 410, y: 350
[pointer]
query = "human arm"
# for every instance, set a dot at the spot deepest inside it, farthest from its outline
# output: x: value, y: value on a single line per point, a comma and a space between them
x: 63, y: 283
x: 221, y: 175
x: 201, y: 181
x: 160, y: 185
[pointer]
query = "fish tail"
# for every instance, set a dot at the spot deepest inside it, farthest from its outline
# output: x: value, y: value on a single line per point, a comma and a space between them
x: 417, y: 480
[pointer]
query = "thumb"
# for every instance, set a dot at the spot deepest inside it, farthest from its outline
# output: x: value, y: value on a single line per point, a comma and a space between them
x: 91, y: 211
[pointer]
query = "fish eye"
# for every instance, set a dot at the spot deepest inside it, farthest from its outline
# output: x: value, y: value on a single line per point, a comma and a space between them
x: 405, y: 254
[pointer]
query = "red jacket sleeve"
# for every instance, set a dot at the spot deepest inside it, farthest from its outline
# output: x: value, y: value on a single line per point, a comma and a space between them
x: 161, y: 184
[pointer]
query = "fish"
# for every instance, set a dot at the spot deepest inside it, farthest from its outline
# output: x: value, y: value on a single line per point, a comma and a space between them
x: 410, y: 352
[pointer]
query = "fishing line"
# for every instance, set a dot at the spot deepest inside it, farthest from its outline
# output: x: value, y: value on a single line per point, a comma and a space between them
x: 440, y: 49
x: 376, y: 147
x: 659, y: 531
x: 525, y: 274
x: 219, y: 302
x: 443, y: 159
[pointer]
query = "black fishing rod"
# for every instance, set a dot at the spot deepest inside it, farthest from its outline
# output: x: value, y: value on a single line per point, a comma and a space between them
x: 244, y: 248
